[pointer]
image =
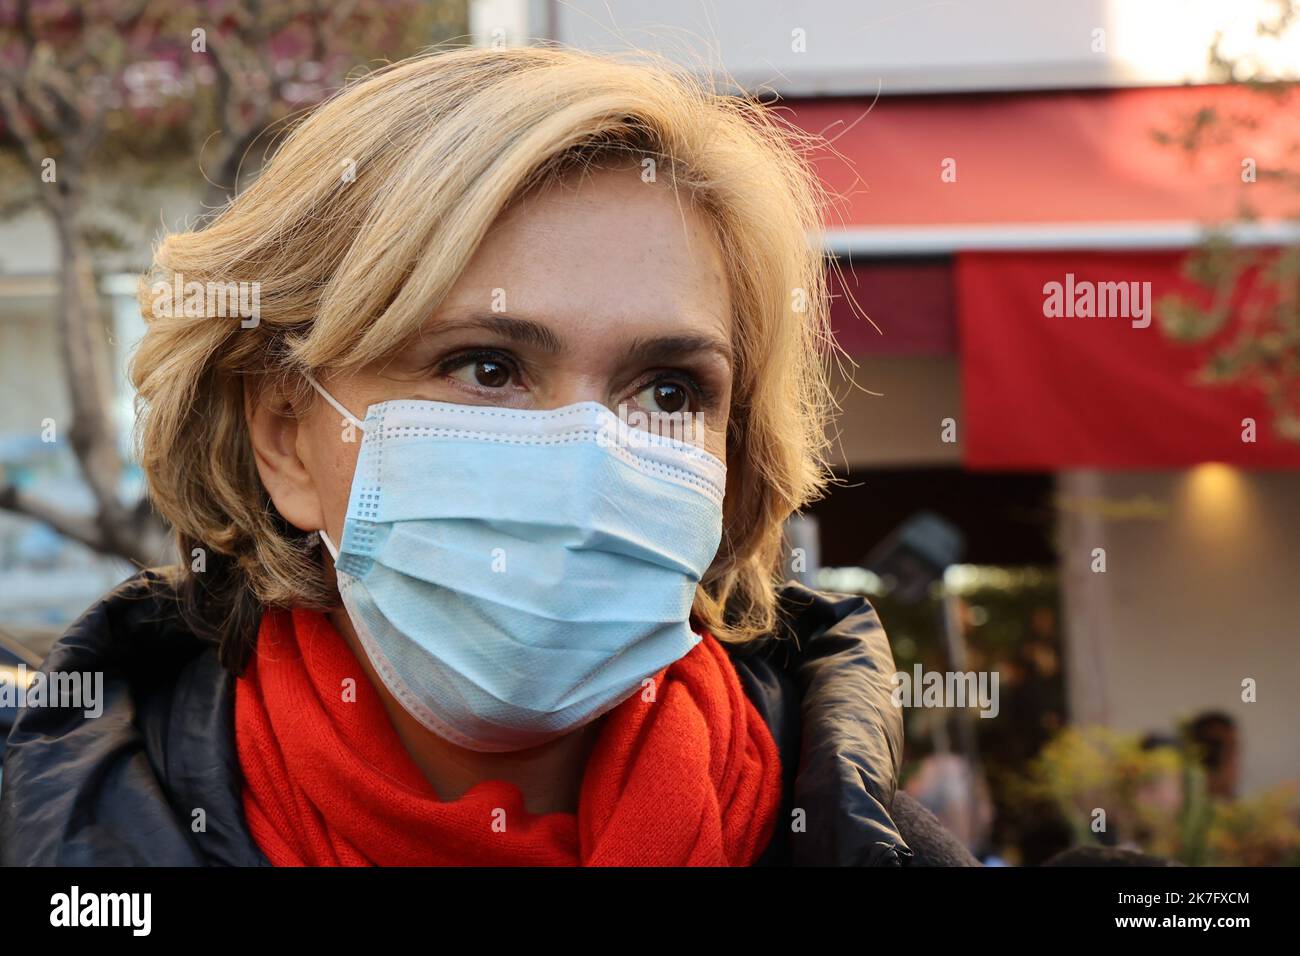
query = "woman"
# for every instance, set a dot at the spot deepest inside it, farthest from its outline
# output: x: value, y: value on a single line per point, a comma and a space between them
x: 480, y: 506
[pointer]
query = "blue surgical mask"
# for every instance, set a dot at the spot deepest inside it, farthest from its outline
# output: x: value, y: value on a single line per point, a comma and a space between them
x: 514, y: 574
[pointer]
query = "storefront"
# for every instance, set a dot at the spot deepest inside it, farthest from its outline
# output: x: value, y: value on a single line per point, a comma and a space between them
x: 1001, y: 264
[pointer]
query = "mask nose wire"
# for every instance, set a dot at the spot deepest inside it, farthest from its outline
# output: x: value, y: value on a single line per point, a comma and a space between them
x: 338, y: 406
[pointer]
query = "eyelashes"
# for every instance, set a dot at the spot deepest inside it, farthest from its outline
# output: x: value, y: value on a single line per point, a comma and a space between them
x: 458, y: 360
x: 703, y: 393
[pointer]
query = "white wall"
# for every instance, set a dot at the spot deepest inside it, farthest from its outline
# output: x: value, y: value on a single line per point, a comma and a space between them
x: 857, y: 46
x: 891, y: 413
x: 30, y: 364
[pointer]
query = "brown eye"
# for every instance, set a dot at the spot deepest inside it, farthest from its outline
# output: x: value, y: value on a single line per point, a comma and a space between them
x: 670, y: 397
x: 483, y: 371
x: 666, y: 397
x: 491, y: 374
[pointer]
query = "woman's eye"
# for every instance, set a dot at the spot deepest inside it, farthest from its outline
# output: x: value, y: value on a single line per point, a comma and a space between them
x: 484, y: 372
x: 665, y: 397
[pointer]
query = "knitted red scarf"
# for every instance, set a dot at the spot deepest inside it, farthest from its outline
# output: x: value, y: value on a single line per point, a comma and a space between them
x: 692, y: 779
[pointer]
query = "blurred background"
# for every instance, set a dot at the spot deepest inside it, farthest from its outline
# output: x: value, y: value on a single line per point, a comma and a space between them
x: 1103, y: 512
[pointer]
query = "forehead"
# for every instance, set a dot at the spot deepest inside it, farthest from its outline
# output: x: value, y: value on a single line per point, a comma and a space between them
x: 602, y: 251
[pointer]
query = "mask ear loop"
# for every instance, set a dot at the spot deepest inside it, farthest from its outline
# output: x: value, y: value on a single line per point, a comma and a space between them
x: 333, y: 401
x: 329, y: 545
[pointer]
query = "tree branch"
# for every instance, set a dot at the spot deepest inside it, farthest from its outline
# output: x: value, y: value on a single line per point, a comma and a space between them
x: 81, y: 529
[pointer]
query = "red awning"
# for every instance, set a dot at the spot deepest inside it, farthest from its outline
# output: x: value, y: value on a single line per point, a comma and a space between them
x: 1042, y: 392
x: 1046, y: 157
x: 1051, y: 391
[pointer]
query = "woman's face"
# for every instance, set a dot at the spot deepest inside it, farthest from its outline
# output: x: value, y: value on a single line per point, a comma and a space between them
x: 607, y: 289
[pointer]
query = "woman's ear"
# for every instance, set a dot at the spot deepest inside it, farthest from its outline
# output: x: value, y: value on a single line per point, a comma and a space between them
x: 278, y: 439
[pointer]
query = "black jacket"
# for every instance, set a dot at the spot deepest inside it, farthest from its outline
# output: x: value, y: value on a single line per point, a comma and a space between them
x: 123, y: 788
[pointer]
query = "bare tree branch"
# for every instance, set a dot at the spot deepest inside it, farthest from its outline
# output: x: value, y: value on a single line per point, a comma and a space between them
x: 78, y: 528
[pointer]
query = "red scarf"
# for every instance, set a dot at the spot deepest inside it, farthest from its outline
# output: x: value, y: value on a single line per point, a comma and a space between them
x: 692, y: 779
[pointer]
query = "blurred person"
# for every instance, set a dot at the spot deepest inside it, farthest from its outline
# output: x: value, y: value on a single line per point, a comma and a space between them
x: 946, y: 785
x: 1160, y: 800
x: 446, y: 597
x: 1213, y: 735
x: 1106, y: 856
x: 1164, y: 791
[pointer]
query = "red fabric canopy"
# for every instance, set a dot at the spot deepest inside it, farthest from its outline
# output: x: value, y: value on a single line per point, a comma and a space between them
x: 1047, y: 157
x: 1040, y: 392
x: 1043, y: 392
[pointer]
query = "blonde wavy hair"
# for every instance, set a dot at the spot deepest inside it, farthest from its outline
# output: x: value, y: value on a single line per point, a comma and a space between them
x: 350, y: 267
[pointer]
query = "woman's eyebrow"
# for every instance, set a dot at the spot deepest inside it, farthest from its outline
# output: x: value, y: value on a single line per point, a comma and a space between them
x: 522, y: 331
x: 652, y: 350
x: 662, y: 350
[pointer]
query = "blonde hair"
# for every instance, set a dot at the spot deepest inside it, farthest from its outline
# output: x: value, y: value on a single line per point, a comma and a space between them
x: 350, y: 267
